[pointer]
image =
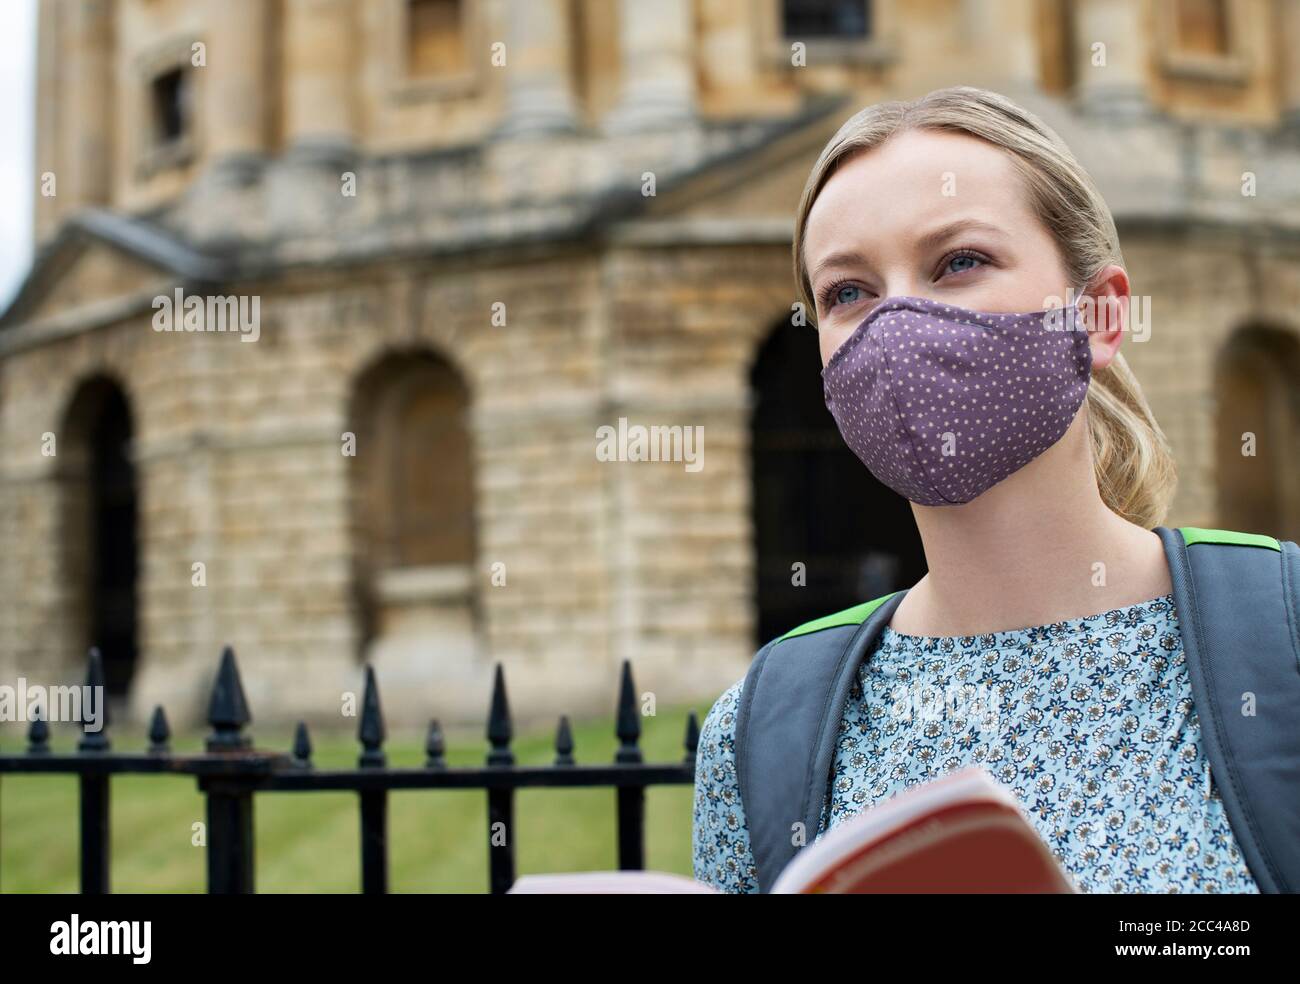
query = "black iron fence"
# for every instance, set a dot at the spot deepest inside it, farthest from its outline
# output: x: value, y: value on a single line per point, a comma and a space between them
x: 231, y: 772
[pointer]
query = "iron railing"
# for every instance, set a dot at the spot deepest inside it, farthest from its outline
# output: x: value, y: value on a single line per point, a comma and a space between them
x: 231, y: 772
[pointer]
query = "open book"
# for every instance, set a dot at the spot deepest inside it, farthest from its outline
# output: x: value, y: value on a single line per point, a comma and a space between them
x: 963, y: 833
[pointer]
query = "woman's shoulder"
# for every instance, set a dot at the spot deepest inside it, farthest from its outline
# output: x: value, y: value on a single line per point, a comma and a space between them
x: 721, y: 851
x: 720, y: 721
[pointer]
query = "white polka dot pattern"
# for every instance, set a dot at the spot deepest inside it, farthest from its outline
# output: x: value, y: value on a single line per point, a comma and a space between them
x: 941, y: 403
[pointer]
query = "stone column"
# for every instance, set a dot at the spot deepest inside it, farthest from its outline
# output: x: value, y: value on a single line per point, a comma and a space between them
x: 319, y: 137
x: 1117, y: 89
x: 728, y: 55
x: 658, y: 71
x: 318, y: 110
x: 48, y: 97
x: 1002, y: 39
x: 1290, y: 67
x: 84, y: 174
x: 235, y: 82
x: 539, y: 92
x: 234, y: 120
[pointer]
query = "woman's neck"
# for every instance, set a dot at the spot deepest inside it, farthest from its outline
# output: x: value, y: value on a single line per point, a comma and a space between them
x: 1039, y: 547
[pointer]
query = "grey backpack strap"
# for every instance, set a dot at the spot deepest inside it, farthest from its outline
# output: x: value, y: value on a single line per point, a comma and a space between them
x: 1238, y: 599
x: 787, y: 723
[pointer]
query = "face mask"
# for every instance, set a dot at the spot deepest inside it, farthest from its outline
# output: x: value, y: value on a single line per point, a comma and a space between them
x: 941, y: 403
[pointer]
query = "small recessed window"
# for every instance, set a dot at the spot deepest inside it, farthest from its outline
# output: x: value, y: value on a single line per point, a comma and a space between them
x: 826, y: 18
x: 435, y: 41
x: 1201, y: 27
x: 170, y: 98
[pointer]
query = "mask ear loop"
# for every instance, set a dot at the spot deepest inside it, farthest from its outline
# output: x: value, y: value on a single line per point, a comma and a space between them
x: 1094, y: 305
x: 1077, y: 308
x: 1067, y: 317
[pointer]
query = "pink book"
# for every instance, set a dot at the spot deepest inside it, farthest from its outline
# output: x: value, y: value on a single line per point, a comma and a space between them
x: 963, y: 833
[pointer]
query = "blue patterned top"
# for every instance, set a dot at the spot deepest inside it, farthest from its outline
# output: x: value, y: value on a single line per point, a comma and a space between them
x: 1089, y: 721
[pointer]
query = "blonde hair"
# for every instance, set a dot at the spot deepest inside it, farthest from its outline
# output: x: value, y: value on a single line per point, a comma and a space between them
x: 1134, y: 466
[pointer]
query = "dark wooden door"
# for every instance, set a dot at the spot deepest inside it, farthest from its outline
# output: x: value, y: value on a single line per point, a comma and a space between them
x: 814, y: 502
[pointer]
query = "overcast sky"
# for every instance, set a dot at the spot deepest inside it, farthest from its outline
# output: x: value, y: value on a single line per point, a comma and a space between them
x: 17, y: 101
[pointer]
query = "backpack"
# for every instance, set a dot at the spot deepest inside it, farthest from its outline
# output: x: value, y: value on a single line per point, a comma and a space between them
x: 1238, y: 604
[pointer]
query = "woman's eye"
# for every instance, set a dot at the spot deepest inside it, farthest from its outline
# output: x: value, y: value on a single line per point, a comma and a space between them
x: 961, y: 262
x: 844, y: 294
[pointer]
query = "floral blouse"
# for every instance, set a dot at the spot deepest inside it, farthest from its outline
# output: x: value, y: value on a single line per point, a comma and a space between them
x: 1088, y: 721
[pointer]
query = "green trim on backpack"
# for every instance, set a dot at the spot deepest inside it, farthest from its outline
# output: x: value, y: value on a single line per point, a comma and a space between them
x: 849, y: 616
x: 1194, y: 534
x: 1191, y: 534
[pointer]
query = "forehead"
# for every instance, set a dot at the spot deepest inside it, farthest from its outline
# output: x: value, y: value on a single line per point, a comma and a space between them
x: 912, y: 182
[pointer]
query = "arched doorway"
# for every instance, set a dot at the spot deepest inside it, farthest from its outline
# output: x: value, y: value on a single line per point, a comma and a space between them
x: 99, y: 531
x: 413, y: 518
x: 1257, y: 432
x: 814, y: 502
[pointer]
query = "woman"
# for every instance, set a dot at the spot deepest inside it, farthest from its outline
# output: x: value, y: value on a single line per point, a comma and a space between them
x: 936, y: 240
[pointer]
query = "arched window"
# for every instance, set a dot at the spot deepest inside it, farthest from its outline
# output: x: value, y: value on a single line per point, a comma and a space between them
x: 826, y: 18
x: 413, y: 489
x: 1201, y: 27
x: 435, y: 38
x: 99, y: 525
x: 1257, y: 390
x: 814, y: 502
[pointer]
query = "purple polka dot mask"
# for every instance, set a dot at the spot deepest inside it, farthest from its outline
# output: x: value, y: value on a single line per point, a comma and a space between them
x: 941, y: 403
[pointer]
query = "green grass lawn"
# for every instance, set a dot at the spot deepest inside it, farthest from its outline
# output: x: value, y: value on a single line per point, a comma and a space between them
x: 309, y: 842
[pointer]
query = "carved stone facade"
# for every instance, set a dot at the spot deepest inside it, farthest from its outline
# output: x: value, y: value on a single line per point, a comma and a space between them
x: 465, y: 268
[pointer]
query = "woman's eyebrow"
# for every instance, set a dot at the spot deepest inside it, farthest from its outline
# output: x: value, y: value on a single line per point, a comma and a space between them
x: 842, y: 257
x: 931, y: 240
x: 938, y: 237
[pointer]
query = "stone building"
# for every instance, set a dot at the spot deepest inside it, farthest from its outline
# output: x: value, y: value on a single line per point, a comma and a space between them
x: 467, y: 235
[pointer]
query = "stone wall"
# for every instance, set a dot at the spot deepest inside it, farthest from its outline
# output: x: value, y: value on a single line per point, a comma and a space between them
x: 463, y: 191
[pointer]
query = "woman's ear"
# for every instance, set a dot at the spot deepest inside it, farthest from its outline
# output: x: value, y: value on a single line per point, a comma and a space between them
x: 1106, y: 313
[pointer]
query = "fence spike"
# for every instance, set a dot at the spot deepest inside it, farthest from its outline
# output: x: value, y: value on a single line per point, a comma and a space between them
x: 564, y: 742
x: 301, y: 744
x: 159, y: 731
x: 692, y: 736
x: 628, y: 728
x: 228, y: 709
x: 38, y: 733
x: 499, y: 730
x: 434, y: 747
x: 95, y: 741
x: 371, y: 730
